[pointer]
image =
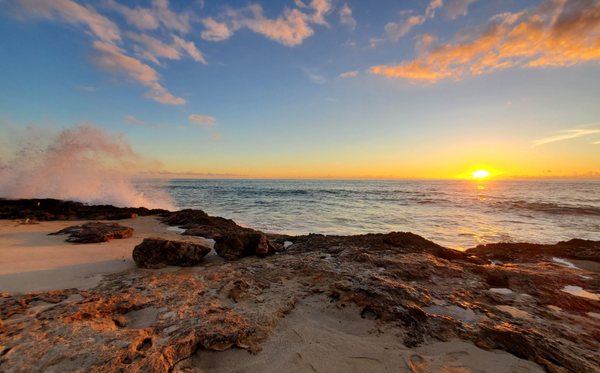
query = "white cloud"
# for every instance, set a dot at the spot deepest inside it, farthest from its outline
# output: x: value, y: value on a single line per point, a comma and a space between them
x: 215, y: 31
x: 202, y: 120
x: 432, y: 7
x: 397, y: 30
x: 457, y: 8
x: 172, y: 20
x: 130, y: 119
x: 290, y: 28
x: 190, y: 48
x: 153, y: 49
x: 114, y: 59
x: 141, y: 18
x: 69, y: 11
x: 566, y: 135
x: 346, y: 17
x: 315, y: 78
x: 321, y: 9
x: 375, y: 42
x: 348, y: 74
x: 107, y: 38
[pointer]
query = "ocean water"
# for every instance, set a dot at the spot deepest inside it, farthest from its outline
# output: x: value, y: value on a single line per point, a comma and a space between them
x: 457, y: 214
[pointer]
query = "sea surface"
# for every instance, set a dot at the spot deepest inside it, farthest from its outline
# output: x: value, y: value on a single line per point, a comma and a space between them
x: 457, y: 214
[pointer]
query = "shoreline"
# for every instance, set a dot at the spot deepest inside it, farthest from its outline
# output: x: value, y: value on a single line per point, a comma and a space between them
x: 377, y: 302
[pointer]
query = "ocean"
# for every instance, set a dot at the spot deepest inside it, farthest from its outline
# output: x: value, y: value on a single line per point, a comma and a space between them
x: 457, y: 214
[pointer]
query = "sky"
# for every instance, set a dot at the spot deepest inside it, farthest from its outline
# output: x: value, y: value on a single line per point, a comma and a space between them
x: 314, y: 88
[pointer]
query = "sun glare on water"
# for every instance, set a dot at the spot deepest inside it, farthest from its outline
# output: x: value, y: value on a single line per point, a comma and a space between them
x: 480, y: 174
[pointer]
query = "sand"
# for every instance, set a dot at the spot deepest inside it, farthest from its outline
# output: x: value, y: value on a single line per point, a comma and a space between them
x: 319, y: 337
x: 30, y: 260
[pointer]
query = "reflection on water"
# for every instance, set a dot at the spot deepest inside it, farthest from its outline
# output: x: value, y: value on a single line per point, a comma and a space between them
x: 458, y: 214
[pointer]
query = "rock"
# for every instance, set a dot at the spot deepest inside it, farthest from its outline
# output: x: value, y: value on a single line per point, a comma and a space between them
x: 158, y: 253
x: 154, y: 320
x: 53, y: 209
x: 528, y: 252
x: 238, y: 245
x: 95, y: 232
x: 199, y: 223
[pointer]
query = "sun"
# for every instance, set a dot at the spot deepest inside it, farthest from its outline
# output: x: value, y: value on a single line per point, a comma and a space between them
x: 480, y: 174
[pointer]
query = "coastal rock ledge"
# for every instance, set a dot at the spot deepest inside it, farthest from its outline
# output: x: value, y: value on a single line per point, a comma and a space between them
x: 543, y: 308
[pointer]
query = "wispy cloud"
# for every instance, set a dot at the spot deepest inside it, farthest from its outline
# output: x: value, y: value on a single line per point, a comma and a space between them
x: 346, y: 17
x: 553, y: 34
x: 68, y: 11
x: 112, y: 53
x: 112, y: 58
x: 159, y: 13
x: 290, y: 28
x: 457, y: 8
x: 567, y: 135
x: 314, y: 77
x: 348, y: 74
x: 215, y: 31
x: 134, y: 121
x: 202, y: 120
x: 375, y: 42
x: 397, y: 30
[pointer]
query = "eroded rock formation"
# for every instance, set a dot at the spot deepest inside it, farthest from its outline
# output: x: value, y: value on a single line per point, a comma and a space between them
x: 94, y: 232
x: 53, y: 209
x: 159, y: 253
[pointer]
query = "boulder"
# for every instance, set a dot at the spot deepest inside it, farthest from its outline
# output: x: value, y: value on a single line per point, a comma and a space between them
x: 95, y: 232
x: 238, y: 245
x: 158, y: 253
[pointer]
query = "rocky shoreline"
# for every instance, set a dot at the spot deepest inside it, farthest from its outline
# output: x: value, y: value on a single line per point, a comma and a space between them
x: 526, y: 299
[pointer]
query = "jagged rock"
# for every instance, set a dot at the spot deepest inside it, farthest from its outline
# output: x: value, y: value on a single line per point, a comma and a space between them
x: 401, y: 280
x: 528, y: 252
x: 199, y: 223
x: 95, y: 232
x: 53, y: 209
x: 158, y: 253
x: 239, y: 303
x: 238, y: 245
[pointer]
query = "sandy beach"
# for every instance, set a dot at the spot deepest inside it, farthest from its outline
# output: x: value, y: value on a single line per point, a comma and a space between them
x: 33, y: 260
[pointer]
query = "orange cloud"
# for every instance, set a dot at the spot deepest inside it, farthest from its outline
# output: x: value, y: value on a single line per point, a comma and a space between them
x: 112, y: 58
x: 348, y: 74
x: 555, y: 34
x: 290, y: 28
x: 69, y: 11
x: 202, y: 120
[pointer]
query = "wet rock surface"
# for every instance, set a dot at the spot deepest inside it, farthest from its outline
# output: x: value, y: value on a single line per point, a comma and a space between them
x: 53, y: 209
x: 158, y: 320
x: 159, y: 253
x: 94, y: 232
x: 572, y: 249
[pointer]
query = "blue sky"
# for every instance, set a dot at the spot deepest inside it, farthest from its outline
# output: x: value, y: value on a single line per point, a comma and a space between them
x: 322, y: 88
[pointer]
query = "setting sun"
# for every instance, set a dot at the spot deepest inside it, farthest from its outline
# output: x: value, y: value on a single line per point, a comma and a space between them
x: 480, y: 174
